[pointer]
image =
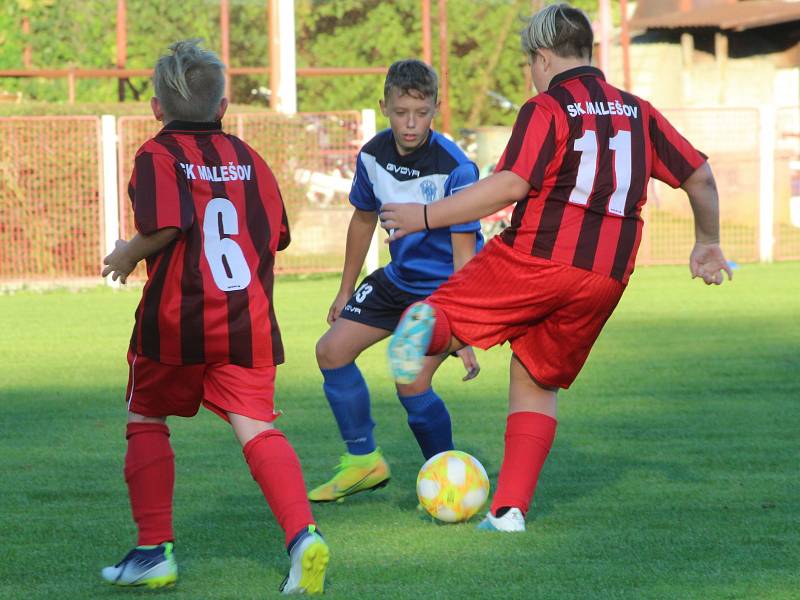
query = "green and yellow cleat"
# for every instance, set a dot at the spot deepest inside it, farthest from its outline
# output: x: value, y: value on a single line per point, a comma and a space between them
x: 355, y: 473
x: 149, y: 566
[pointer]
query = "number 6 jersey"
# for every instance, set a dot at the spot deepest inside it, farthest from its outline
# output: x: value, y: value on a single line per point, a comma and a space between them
x: 208, y: 296
x: 588, y: 151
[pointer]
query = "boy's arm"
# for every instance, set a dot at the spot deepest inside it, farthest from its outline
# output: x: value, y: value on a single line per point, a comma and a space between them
x: 127, y: 254
x: 706, y: 260
x: 481, y: 199
x: 463, y: 248
x: 463, y: 251
x: 359, y: 236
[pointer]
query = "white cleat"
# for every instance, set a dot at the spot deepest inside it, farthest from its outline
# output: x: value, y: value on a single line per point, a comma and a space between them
x: 309, y: 561
x: 511, y: 522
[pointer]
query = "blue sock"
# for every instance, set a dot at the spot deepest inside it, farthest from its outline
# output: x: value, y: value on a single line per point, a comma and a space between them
x: 348, y: 396
x: 429, y: 421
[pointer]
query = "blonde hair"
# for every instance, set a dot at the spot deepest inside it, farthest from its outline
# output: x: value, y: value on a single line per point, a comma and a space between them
x: 189, y: 82
x: 561, y: 28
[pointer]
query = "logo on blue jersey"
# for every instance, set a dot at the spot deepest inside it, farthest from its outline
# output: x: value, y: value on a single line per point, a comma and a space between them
x: 428, y: 189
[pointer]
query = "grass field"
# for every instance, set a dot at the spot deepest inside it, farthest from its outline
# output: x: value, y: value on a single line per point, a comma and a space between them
x: 674, y: 473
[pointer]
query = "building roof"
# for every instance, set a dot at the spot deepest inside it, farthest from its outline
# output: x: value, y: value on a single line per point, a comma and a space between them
x: 721, y: 14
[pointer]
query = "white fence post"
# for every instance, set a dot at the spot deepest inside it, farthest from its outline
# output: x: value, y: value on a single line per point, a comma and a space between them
x: 368, y: 132
x: 110, y: 198
x: 766, y: 196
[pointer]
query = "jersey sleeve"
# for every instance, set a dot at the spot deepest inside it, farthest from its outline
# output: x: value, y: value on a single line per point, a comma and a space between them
x: 160, y: 194
x: 362, y: 196
x: 285, y: 236
x: 673, y: 158
x: 463, y: 176
x: 532, y: 145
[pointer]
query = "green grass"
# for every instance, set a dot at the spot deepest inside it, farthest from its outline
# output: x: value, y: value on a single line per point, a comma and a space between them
x: 674, y: 473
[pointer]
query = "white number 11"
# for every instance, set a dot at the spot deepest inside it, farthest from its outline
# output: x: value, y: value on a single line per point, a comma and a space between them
x: 587, y: 170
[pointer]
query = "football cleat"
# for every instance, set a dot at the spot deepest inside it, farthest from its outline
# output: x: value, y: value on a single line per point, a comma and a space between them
x: 355, y: 473
x: 309, y: 559
x: 410, y: 342
x: 151, y: 566
x: 512, y: 521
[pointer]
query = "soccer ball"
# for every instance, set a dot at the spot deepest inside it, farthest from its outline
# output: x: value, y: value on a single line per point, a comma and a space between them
x: 452, y: 486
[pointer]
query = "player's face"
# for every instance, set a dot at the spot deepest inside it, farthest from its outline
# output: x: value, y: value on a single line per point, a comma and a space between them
x: 410, y: 117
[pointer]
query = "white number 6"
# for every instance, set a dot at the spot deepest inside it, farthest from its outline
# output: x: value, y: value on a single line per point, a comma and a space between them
x: 225, y: 257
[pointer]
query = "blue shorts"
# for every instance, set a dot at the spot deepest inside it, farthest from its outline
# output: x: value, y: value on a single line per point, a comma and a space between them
x: 378, y: 302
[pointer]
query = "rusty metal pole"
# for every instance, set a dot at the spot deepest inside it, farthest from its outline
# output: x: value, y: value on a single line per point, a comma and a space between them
x: 625, y: 42
x: 122, y: 46
x: 274, y: 55
x: 444, y: 74
x: 26, y: 52
x: 427, y: 55
x: 605, y: 29
x: 224, y: 28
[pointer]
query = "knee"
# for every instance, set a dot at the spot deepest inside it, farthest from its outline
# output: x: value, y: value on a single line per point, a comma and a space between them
x: 137, y: 418
x: 325, y: 354
x: 415, y: 388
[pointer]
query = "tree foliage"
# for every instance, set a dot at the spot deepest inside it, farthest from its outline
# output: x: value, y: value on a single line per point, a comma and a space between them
x: 336, y: 33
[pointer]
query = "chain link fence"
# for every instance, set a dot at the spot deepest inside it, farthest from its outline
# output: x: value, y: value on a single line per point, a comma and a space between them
x: 52, y: 198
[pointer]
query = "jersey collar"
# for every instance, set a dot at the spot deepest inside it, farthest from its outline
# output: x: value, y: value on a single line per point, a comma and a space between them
x: 416, y: 154
x: 586, y: 71
x: 192, y: 126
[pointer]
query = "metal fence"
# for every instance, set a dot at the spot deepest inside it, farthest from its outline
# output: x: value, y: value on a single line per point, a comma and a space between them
x: 50, y: 209
x: 52, y: 191
x: 312, y: 156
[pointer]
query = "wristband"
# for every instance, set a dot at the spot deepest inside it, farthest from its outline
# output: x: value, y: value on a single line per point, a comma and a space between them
x: 425, y: 215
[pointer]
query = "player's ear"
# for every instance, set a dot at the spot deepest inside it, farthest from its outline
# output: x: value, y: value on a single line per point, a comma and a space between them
x: 546, y: 56
x: 155, y: 106
x: 223, y: 106
x: 382, y: 104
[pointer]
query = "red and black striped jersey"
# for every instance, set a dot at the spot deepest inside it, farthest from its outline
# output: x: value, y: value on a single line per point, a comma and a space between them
x: 208, y: 296
x: 588, y: 151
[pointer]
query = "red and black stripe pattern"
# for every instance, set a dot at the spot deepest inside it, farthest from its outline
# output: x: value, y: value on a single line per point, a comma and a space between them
x: 185, y: 316
x: 588, y: 151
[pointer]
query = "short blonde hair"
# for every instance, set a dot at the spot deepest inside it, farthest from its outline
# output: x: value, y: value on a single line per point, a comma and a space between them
x: 561, y: 28
x: 189, y: 82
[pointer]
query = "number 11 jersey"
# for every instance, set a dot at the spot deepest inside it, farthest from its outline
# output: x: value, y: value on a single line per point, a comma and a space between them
x: 208, y: 296
x: 588, y: 151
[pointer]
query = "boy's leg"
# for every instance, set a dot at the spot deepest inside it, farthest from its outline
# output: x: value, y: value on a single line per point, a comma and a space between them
x: 428, y: 417
x: 343, y: 384
x: 154, y: 389
x: 150, y: 476
x: 275, y: 466
x: 530, y: 430
x: 362, y: 467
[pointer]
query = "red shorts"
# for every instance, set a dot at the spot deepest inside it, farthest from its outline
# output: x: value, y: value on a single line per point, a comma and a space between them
x: 159, y: 390
x: 551, y: 313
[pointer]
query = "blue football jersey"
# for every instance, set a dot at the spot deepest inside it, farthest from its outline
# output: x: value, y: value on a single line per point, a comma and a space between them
x: 420, y: 261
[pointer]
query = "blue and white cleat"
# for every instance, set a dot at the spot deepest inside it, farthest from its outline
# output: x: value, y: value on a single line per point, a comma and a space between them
x: 309, y: 557
x: 511, y: 522
x: 154, y: 567
x: 410, y: 342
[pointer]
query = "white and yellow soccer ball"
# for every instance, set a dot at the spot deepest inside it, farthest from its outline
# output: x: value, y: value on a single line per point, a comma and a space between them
x: 452, y: 486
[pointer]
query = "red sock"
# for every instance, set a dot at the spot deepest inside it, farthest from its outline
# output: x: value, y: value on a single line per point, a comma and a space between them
x: 276, y: 469
x: 529, y: 436
x: 150, y: 475
x: 440, y: 340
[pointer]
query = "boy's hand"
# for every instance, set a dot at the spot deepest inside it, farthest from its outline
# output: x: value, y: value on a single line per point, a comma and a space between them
x: 467, y: 356
x: 119, y: 264
x: 402, y: 219
x: 338, y: 305
x: 708, y: 262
